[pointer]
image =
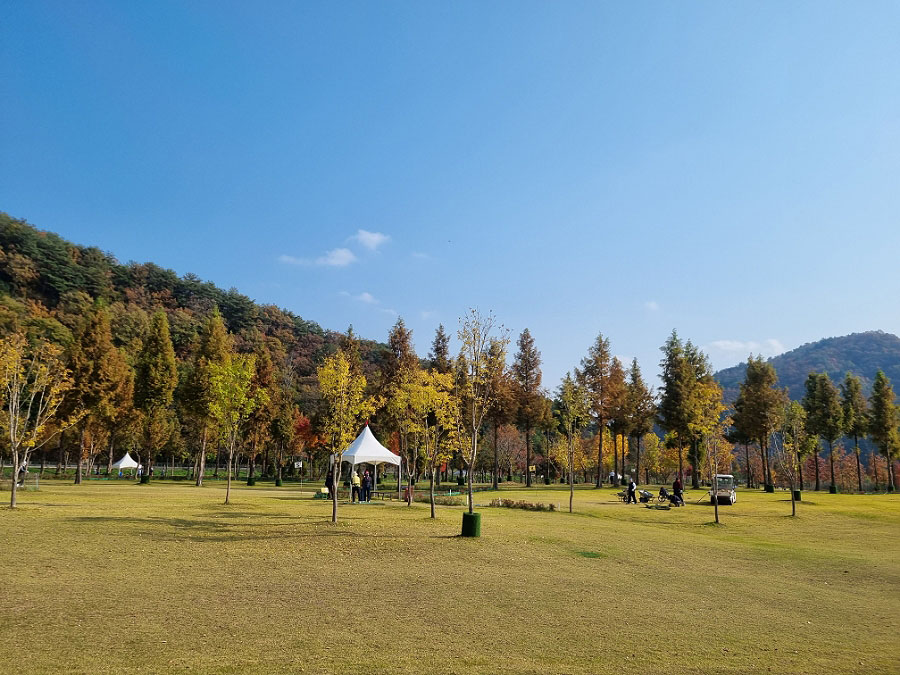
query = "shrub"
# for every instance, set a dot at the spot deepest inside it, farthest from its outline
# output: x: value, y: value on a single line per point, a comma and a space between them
x: 439, y: 500
x: 526, y: 506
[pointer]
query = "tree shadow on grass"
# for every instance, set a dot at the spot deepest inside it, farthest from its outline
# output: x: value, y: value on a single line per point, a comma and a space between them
x: 220, y: 530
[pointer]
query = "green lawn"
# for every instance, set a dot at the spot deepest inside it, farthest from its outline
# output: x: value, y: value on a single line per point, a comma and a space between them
x: 115, y: 577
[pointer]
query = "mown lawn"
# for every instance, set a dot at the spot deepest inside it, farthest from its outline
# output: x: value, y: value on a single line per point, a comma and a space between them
x: 114, y: 577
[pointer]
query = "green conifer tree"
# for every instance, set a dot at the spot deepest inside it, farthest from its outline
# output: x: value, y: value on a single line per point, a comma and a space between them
x: 155, y: 378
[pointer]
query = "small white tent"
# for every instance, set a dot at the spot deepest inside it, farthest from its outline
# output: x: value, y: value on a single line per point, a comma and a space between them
x: 125, y: 463
x: 367, y: 450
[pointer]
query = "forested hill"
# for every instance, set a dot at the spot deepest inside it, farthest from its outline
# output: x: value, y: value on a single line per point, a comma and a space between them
x: 47, y: 284
x: 862, y: 354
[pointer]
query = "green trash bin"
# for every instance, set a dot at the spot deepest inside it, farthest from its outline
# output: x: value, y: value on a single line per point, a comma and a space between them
x: 796, y: 495
x: 471, y: 526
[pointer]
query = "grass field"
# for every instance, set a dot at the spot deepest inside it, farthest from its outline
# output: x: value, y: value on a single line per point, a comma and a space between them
x: 118, y: 578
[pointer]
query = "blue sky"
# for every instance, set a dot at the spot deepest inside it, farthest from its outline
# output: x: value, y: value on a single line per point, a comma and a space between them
x: 731, y: 170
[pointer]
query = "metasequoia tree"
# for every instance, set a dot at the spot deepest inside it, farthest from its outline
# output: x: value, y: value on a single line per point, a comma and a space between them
x: 527, y: 372
x: 233, y: 401
x: 476, y: 378
x: 346, y: 407
x: 673, y: 412
x: 34, y: 383
x: 883, y: 421
x: 102, y: 380
x: 593, y: 376
x: 155, y: 378
x: 758, y: 407
x: 618, y: 412
x: 572, y: 411
x: 856, y: 417
x: 503, y: 410
x: 213, y: 348
x: 259, y: 424
x: 824, y: 415
x: 398, y: 388
x: 439, y: 357
x: 640, y: 411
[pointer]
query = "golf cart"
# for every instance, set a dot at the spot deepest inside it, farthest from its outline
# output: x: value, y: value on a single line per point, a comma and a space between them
x: 723, y: 489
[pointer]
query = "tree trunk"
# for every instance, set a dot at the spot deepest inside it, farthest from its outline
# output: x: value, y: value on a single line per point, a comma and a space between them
x: 799, y: 472
x: 637, y: 457
x: 695, y: 460
x: 681, y: 462
x: 112, y: 449
x: 218, y: 460
x: 228, y: 481
x: 600, y: 455
x: 816, y: 459
x: 572, y: 473
x: 59, y: 453
x: 890, y: 469
x: 831, y: 460
x: 793, y: 501
x: 858, y: 464
x: 80, y: 457
x: 15, y: 478
x: 334, y: 489
x: 469, y: 466
x: 527, y: 455
x: 875, y: 468
x: 201, y: 463
x: 43, y: 463
x: 431, y: 491
x: 496, y: 460
x: 714, y: 484
x: 749, y: 470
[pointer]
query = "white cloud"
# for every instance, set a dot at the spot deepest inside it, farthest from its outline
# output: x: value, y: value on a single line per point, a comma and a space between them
x: 427, y: 313
x: 652, y: 305
x: 291, y: 260
x: 769, y: 347
x: 391, y: 312
x: 418, y: 255
x: 370, y: 240
x: 338, y: 257
x: 365, y: 297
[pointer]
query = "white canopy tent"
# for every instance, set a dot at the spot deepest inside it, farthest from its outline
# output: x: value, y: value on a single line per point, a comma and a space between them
x: 367, y: 450
x: 125, y: 463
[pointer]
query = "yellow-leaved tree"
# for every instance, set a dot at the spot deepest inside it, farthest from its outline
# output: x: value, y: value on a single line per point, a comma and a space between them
x: 34, y: 383
x: 233, y: 400
x: 437, y: 410
x: 572, y: 411
x: 482, y: 356
x: 346, y: 407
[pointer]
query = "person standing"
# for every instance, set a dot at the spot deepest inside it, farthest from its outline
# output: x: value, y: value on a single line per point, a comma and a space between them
x: 632, y: 488
x: 678, y: 489
x: 366, y: 486
x: 355, y: 493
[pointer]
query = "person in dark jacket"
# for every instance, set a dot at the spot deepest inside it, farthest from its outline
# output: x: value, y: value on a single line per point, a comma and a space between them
x: 677, y: 490
x: 632, y: 488
x: 366, y: 493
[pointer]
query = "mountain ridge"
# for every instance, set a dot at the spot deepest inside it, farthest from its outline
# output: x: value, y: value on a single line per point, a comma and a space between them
x: 862, y: 354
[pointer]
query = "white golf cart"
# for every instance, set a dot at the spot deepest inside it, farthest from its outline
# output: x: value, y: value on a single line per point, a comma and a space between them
x: 723, y: 489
